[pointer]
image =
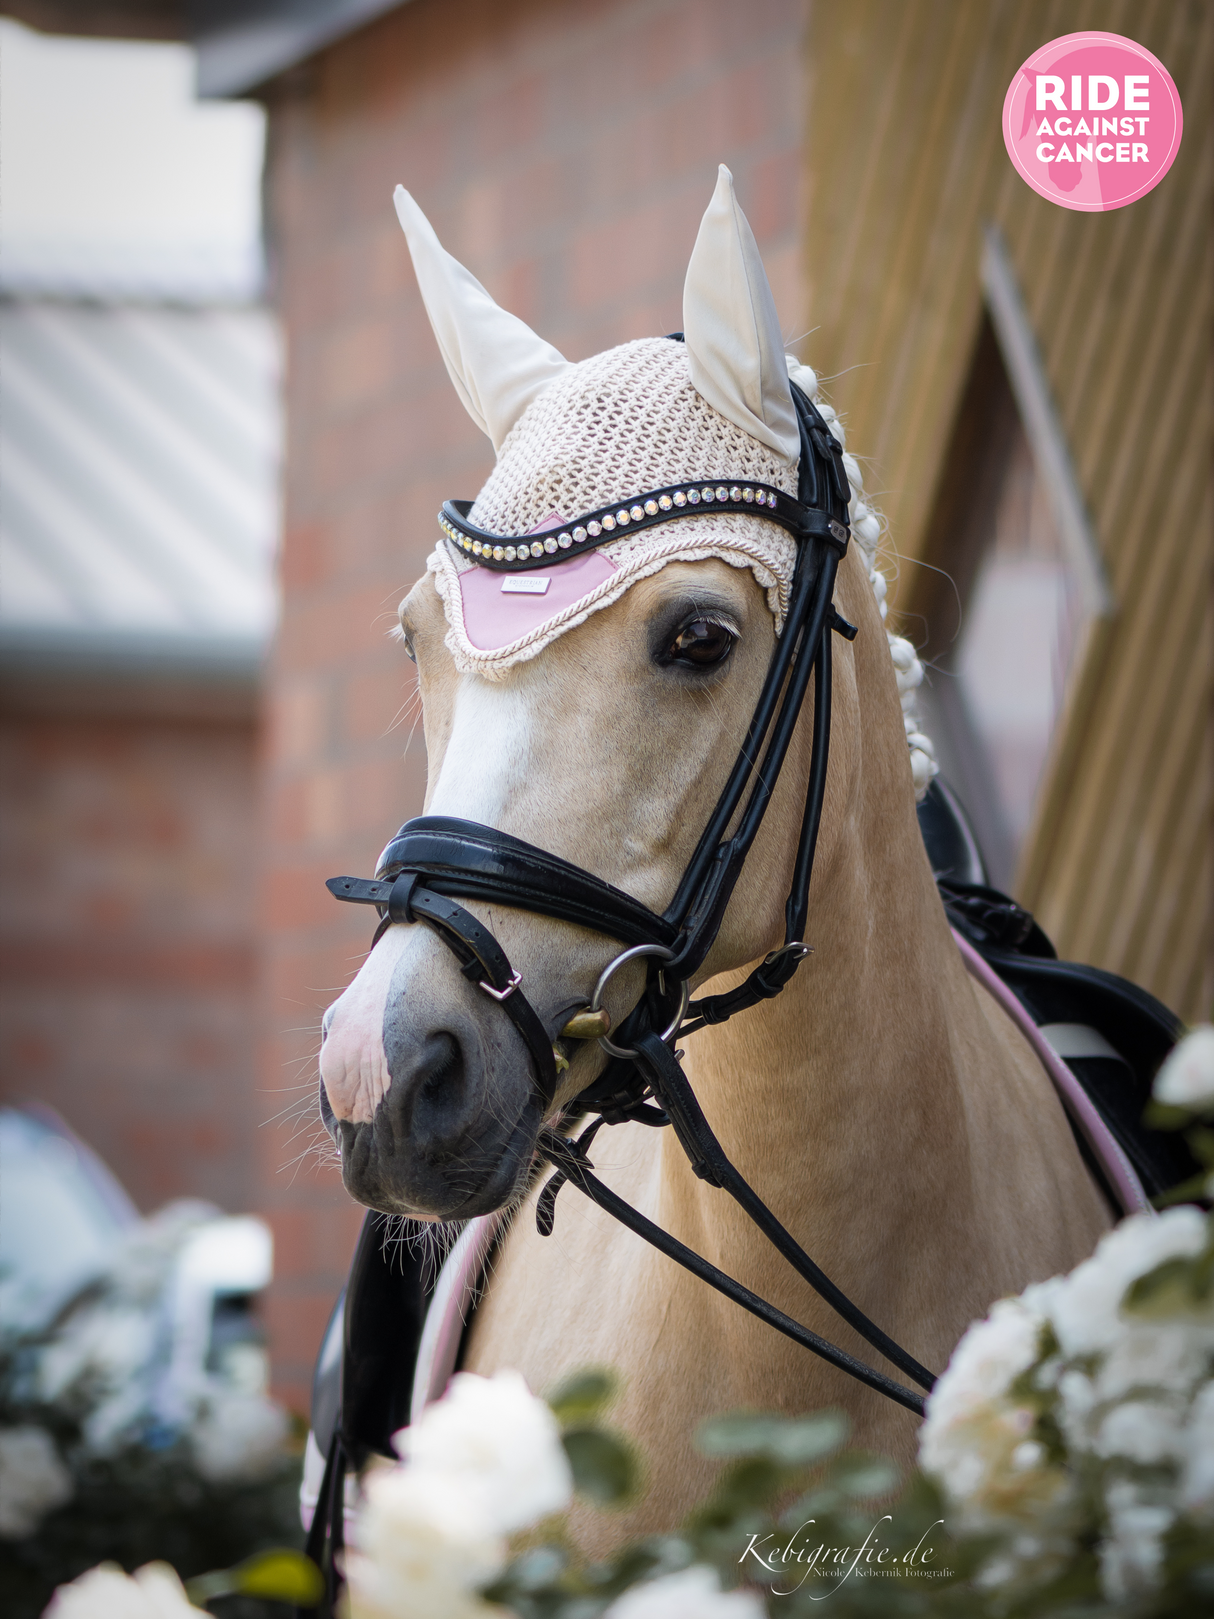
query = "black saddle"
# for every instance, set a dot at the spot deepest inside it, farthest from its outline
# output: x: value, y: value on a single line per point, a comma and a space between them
x: 1111, y: 1034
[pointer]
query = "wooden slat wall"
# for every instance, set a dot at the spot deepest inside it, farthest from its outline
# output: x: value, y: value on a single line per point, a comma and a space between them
x: 906, y: 164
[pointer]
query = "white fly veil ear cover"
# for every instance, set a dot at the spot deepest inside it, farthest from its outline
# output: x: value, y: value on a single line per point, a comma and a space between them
x: 732, y: 330
x: 497, y: 363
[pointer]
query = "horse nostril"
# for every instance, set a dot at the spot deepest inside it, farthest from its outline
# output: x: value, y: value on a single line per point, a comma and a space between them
x: 434, y: 1085
x: 442, y: 1069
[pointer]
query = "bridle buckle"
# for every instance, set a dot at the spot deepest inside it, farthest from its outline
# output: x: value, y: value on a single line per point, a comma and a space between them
x: 516, y: 979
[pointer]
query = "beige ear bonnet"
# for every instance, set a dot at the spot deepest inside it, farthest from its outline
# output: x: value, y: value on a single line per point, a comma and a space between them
x: 572, y: 438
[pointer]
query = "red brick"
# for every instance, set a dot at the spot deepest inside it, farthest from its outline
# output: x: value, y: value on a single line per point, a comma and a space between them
x: 128, y: 941
x: 566, y: 154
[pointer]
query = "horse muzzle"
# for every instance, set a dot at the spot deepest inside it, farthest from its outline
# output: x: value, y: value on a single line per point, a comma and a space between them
x: 431, y: 1103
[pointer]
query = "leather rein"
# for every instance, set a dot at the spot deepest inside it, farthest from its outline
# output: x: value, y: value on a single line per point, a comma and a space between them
x: 436, y: 861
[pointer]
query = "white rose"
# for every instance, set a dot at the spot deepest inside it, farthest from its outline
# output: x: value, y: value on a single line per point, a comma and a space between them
x: 106, y: 1343
x: 500, y: 1443
x: 238, y: 1436
x: 105, y: 1592
x: 1197, y: 1479
x: 1085, y: 1308
x: 1131, y: 1554
x: 1141, y: 1431
x: 109, y: 1424
x: 33, y: 1480
x: 1077, y: 1401
x: 1187, y: 1077
x: 976, y: 1438
x: 1171, y: 1355
x: 147, y: 1254
x: 420, y: 1550
x: 695, y: 1593
x: 969, y: 1422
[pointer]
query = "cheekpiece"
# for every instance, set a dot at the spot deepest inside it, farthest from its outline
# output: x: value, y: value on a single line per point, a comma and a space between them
x: 515, y: 553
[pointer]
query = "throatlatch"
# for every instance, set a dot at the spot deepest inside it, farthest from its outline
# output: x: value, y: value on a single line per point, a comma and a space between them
x: 434, y: 861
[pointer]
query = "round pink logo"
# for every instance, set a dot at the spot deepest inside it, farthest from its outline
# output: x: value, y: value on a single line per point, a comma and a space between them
x: 1092, y: 121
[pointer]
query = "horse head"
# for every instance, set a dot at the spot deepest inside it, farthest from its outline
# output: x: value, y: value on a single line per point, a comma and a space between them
x: 594, y: 707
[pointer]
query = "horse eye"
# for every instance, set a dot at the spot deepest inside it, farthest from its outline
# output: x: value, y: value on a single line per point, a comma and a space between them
x: 407, y: 641
x: 701, y: 644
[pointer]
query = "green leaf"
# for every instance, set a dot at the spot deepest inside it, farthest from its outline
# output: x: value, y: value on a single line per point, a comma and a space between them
x: 1164, y: 1116
x: 603, y: 1467
x: 580, y: 1399
x: 861, y: 1475
x: 1169, y: 1289
x: 538, y: 1568
x: 791, y: 1441
x: 1197, y: 1186
x: 282, y: 1575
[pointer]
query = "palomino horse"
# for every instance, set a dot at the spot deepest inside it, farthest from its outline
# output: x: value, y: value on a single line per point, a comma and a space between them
x: 886, y: 1107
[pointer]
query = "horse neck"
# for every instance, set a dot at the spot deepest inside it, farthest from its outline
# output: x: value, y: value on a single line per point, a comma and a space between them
x: 837, y: 1089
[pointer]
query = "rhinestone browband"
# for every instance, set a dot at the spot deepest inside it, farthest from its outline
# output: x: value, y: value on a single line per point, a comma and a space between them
x: 517, y: 552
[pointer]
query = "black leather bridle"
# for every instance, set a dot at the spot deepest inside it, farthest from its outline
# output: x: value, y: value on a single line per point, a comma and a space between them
x: 435, y: 861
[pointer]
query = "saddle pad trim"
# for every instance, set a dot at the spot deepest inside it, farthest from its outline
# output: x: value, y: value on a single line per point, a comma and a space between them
x: 455, y: 1293
x: 1078, y: 1040
x: 1117, y: 1167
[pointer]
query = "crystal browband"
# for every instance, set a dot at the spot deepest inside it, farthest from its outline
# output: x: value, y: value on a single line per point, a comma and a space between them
x: 517, y: 552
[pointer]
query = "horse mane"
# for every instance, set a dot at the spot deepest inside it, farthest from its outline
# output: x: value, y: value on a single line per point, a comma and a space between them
x: 867, y: 526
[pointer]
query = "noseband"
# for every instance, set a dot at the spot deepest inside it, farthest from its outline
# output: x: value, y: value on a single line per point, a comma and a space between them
x: 436, y: 861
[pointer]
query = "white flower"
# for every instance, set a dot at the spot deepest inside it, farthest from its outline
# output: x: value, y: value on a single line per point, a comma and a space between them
x: 500, y: 1443
x: 1169, y: 1354
x: 1076, y: 1402
x: 972, y: 1428
x: 33, y: 1480
x: 1127, y: 1391
x: 421, y: 1548
x: 1141, y: 1431
x: 237, y: 1436
x: 485, y: 1460
x: 977, y: 1441
x: 1131, y: 1555
x: 106, y: 1344
x: 109, y: 1424
x: 1197, y: 1478
x: 146, y: 1256
x: 695, y: 1593
x: 1187, y: 1077
x: 105, y: 1592
x: 1086, y: 1307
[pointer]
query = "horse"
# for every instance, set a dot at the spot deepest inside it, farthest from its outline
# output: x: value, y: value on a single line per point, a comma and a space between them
x: 891, y: 1113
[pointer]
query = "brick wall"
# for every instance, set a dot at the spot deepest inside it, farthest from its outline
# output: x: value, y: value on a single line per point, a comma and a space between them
x: 127, y: 945
x: 565, y: 153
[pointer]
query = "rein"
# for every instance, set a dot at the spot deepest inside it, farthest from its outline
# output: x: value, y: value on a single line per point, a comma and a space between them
x: 434, y: 861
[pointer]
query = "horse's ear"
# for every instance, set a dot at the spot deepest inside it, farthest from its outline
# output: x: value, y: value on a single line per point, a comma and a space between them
x: 732, y: 331
x: 498, y: 364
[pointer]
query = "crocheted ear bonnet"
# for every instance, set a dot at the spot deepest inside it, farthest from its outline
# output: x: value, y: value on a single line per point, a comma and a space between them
x: 587, y: 450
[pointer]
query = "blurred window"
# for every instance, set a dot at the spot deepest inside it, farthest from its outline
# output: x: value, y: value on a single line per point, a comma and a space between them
x: 1020, y: 586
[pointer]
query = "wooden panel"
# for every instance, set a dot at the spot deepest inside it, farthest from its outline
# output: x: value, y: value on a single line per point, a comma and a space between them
x: 905, y: 166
